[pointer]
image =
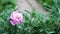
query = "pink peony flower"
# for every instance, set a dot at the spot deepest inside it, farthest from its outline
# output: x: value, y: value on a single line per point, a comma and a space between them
x: 16, y: 18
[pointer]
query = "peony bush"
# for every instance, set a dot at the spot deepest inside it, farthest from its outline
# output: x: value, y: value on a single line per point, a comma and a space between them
x: 31, y: 22
x: 13, y: 21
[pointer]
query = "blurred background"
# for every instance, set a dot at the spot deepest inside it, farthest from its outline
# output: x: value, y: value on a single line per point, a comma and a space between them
x: 29, y: 5
x: 40, y: 16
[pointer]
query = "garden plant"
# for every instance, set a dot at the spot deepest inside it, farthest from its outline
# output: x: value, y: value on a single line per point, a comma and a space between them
x: 13, y: 21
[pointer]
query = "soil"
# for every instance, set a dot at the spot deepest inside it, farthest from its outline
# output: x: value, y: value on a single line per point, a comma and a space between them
x: 29, y: 5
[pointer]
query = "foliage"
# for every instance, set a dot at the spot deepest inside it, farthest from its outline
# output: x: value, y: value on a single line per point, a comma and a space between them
x: 38, y: 23
x: 51, y: 5
x: 35, y: 22
x: 7, y: 4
